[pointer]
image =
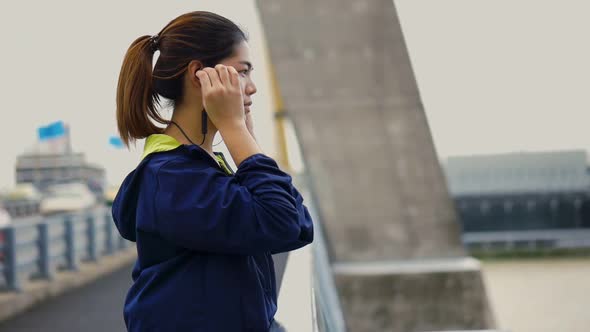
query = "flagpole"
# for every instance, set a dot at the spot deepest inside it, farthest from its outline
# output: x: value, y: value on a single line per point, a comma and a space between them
x: 68, y: 140
x: 37, y: 171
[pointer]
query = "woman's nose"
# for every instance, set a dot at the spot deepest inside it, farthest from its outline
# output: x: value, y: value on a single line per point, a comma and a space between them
x: 250, y: 88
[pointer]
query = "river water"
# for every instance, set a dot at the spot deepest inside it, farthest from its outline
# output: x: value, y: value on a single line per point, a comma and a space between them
x: 540, y: 295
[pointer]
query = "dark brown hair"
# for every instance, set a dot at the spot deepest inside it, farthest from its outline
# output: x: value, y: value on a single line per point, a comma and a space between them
x: 198, y: 35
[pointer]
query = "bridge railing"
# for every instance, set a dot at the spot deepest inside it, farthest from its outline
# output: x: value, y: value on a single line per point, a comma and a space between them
x: 328, y: 313
x: 37, y: 247
x: 308, y: 299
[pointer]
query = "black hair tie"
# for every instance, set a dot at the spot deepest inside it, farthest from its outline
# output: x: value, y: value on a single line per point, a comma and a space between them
x: 154, y: 42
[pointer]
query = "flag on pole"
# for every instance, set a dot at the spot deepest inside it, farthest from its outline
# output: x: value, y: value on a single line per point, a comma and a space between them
x: 53, y: 130
x: 116, y: 142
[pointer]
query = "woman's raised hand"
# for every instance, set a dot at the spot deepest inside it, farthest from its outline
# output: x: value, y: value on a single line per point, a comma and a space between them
x: 223, y: 101
x: 222, y: 96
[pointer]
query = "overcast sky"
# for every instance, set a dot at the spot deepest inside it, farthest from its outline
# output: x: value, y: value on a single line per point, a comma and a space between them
x: 494, y: 76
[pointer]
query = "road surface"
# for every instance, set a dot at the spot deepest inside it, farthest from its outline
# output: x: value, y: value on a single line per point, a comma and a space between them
x: 92, y: 308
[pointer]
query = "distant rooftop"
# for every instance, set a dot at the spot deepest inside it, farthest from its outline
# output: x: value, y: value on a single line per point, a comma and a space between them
x: 523, y: 172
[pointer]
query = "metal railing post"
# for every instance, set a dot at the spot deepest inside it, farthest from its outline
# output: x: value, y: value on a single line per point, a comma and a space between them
x: 44, y: 251
x: 109, y: 239
x: 91, y: 235
x: 11, y: 261
x: 122, y: 243
x: 72, y: 260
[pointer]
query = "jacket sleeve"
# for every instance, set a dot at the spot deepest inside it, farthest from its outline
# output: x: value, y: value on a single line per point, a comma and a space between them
x: 304, y: 222
x: 257, y: 210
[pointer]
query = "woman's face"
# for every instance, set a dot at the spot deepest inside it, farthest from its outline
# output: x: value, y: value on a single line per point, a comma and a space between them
x: 243, y: 65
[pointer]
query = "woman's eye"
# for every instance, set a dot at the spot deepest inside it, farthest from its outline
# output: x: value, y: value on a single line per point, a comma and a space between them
x: 245, y: 71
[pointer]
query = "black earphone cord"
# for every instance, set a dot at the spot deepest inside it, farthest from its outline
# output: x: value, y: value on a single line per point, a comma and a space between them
x: 203, y: 129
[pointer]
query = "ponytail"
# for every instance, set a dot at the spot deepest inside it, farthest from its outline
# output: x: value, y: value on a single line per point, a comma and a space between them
x: 136, y: 100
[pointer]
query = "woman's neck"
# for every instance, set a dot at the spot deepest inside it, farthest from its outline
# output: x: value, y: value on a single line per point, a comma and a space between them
x: 190, y: 122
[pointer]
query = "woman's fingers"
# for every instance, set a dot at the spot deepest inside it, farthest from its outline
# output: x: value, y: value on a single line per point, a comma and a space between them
x: 204, y: 79
x: 222, y: 95
x: 233, y: 76
x: 213, y: 76
x: 223, y: 74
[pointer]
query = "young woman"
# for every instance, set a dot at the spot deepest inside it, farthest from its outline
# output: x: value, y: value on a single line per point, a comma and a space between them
x: 204, y: 234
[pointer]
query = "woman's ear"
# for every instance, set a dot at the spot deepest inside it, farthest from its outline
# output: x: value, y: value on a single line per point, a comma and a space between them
x: 193, y: 67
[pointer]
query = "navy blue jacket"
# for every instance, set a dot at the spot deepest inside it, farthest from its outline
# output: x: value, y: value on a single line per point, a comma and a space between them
x: 205, y: 238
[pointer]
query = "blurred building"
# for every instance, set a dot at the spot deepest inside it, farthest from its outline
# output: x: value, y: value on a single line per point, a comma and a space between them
x: 43, y: 169
x: 521, y: 191
x: 51, y: 161
x: 21, y: 201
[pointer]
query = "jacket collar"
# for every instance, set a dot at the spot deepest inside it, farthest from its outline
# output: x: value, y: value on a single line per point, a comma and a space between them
x: 159, y: 142
x: 163, y: 142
